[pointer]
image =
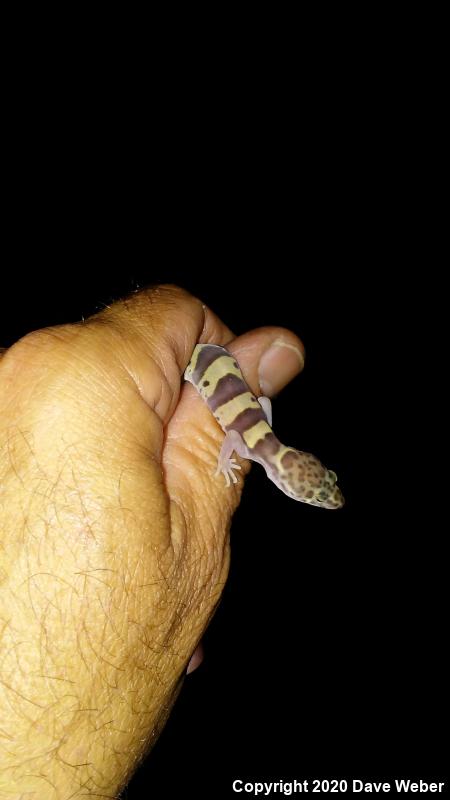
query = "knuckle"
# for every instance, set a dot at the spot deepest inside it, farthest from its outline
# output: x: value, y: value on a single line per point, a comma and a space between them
x: 41, y: 342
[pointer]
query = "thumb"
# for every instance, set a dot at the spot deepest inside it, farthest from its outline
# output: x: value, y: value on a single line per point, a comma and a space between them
x: 153, y: 333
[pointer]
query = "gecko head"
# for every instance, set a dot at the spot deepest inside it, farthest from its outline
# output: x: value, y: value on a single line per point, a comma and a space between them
x: 304, y: 478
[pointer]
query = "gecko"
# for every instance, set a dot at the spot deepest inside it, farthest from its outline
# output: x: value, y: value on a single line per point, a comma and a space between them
x: 247, y: 423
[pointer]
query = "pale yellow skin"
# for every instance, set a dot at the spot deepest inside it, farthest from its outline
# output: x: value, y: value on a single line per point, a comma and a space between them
x: 114, y: 537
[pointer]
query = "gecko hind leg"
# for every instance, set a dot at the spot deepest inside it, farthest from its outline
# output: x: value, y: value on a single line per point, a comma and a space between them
x: 225, y: 464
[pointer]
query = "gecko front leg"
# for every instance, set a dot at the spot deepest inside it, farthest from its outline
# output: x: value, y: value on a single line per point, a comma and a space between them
x: 233, y: 442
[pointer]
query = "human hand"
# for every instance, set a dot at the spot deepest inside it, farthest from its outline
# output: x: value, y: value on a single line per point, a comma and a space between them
x: 114, y: 548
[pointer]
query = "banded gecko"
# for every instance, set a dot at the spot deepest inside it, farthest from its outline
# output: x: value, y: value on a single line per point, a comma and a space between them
x: 246, y: 421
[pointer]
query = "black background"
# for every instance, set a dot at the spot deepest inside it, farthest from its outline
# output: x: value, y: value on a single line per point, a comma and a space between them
x: 326, y: 656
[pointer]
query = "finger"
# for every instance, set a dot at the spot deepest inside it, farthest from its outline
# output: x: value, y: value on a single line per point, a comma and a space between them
x: 196, y: 659
x: 156, y: 330
x: 269, y: 358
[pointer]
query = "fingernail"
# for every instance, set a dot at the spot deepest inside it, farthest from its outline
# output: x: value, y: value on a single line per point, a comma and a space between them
x: 196, y: 659
x: 279, y: 365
